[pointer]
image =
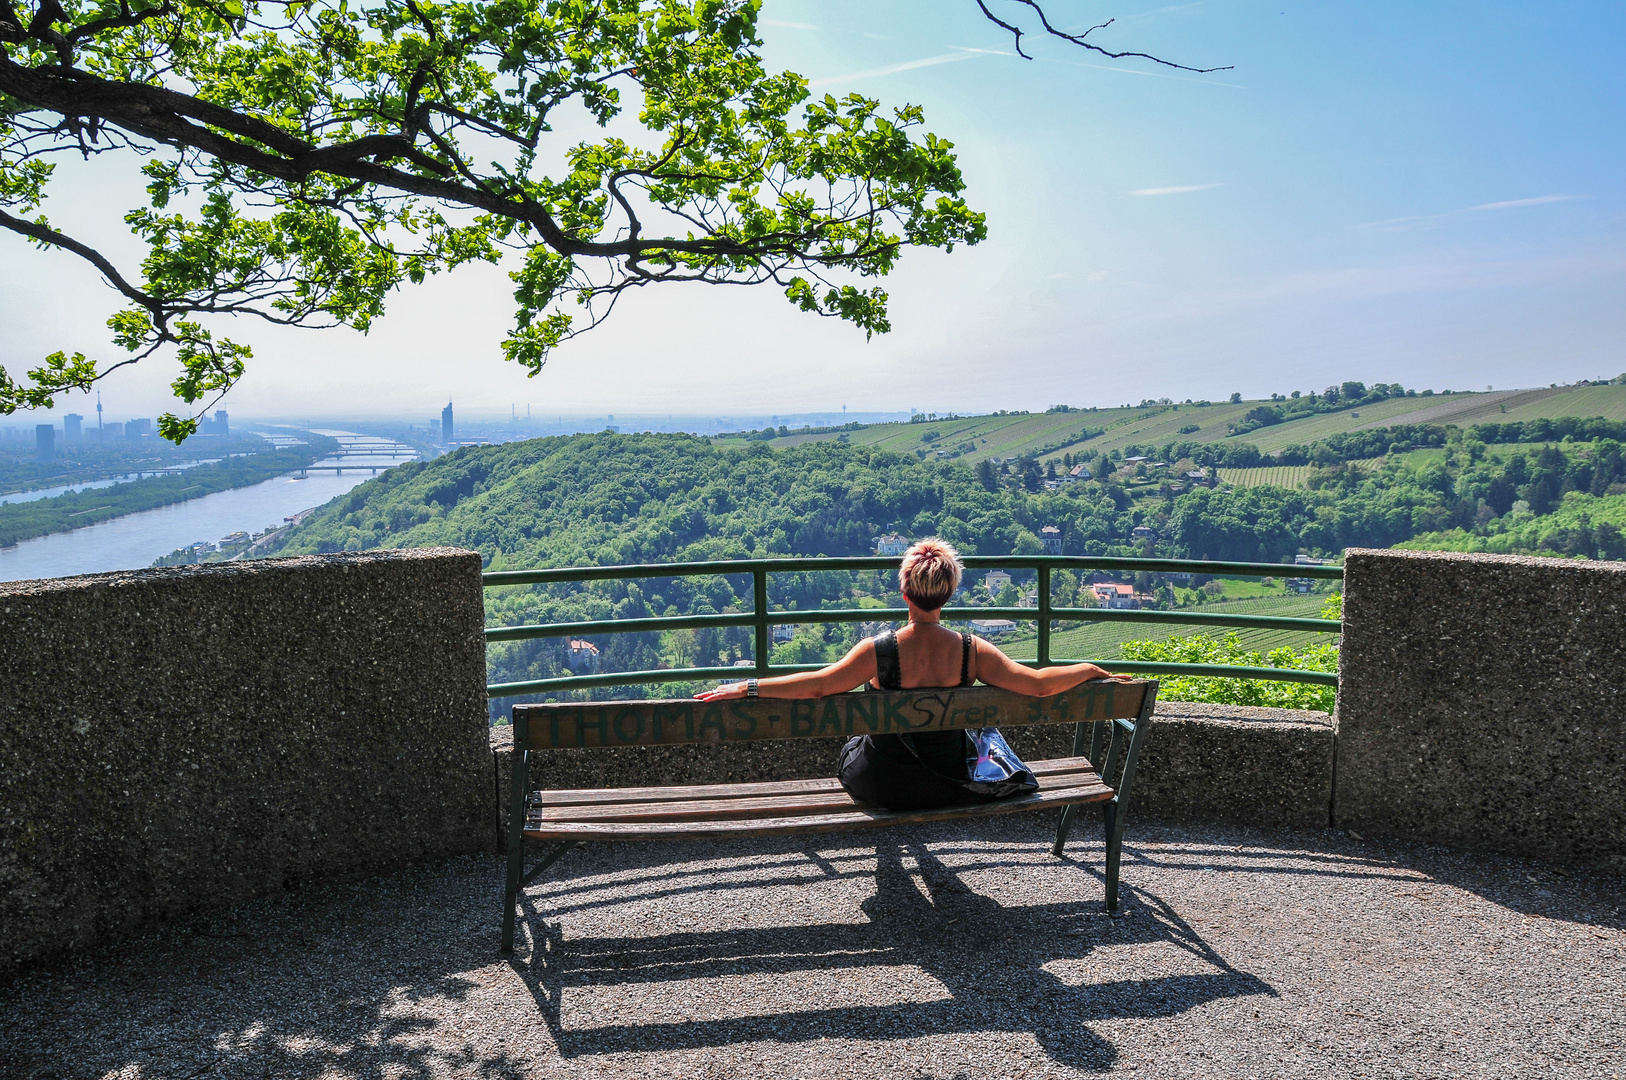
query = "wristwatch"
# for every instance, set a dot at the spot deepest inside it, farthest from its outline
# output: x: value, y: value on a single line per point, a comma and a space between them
x: 751, y: 688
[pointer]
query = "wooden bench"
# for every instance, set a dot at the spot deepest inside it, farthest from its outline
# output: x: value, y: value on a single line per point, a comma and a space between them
x: 795, y: 807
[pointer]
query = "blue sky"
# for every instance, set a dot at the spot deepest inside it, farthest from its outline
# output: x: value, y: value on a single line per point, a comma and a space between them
x: 1424, y: 193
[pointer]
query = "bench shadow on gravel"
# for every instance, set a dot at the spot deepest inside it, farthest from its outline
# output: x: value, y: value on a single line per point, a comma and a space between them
x: 989, y: 957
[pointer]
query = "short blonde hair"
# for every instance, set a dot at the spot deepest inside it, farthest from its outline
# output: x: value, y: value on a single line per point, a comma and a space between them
x: 930, y: 573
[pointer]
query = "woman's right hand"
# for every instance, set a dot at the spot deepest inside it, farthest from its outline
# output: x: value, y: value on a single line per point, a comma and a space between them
x: 725, y: 692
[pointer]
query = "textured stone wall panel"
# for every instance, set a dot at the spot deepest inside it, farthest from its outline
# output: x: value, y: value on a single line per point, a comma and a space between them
x: 182, y: 738
x: 1482, y: 702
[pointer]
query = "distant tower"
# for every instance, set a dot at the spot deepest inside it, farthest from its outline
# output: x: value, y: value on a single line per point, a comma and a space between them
x: 98, y: 414
x: 222, y: 422
x: 73, y: 428
x: 446, y: 423
x: 45, y: 441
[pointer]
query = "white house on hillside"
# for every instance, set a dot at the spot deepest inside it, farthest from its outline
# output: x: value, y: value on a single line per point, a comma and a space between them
x: 891, y: 544
x: 1114, y: 596
x: 1052, y: 539
x: 583, y: 655
x: 995, y: 580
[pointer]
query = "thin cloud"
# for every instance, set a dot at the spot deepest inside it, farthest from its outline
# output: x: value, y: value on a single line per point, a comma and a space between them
x: 1414, y: 221
x: 894, y: 69
x: 1173, y: 190
x: 1539, y: 200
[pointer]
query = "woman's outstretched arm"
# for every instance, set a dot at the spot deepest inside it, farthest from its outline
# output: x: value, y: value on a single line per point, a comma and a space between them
x: 997, y: 669
x: 851, y: 671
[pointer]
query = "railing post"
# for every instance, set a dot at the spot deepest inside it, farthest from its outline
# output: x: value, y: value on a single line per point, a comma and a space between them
x: 1044, y: 616
x: 759, y: 589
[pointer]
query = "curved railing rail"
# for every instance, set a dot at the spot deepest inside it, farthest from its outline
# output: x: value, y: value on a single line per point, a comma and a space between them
x: 762, y: 619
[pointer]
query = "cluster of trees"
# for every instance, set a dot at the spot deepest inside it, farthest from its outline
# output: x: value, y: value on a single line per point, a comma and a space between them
x: 1376, y: 442
x: 1582, y: 526
x: 1348, y: 395
x: 1555, y: 429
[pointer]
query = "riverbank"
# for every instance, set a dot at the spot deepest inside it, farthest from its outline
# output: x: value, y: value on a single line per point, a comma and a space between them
x: 77, y: 509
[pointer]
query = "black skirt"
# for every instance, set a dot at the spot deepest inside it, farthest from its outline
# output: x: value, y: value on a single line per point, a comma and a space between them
x: 880, y: 770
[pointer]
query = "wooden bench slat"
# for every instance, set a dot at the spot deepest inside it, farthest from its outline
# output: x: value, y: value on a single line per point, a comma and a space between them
x: 861, y: 818
x: 598, y: 796
x: 778, y: 805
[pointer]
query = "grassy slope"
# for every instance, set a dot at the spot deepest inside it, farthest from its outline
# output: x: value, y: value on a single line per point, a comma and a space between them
x: 1010, y: 436
x: 1101, y: 640
x: 1606, y: 401
x: 1383, y: 414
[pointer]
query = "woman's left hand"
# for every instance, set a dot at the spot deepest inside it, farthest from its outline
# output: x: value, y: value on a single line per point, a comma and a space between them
x: 726, y: 692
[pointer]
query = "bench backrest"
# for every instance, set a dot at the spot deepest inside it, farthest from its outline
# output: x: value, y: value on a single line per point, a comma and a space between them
x: 684, y: 720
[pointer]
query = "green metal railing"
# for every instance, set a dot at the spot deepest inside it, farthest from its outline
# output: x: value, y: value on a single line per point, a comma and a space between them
x: 762, y: 619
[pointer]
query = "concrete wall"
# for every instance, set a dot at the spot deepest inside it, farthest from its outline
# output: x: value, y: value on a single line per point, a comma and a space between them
x: 1482, y: 703
x: 1226, y: 763
x: 171, y: 739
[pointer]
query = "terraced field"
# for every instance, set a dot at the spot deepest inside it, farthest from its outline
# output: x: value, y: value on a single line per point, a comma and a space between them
x: 977, y: 437
x: 1100, y: 641
x: 1383, y: 414
x: 986, y: 436
x: 1605, y: 401
x: 1287, y: 476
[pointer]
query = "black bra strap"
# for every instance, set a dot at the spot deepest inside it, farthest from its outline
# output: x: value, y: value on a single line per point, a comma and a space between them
x: 888, y: 675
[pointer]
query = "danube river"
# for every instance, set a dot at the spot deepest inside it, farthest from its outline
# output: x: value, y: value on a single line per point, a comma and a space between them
x: 135, y: 540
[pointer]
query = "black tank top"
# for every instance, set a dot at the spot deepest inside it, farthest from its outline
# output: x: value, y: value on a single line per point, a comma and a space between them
x: 943, y: 751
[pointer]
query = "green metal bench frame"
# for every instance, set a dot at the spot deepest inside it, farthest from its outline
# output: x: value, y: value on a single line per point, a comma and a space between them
x: 1110, y: 723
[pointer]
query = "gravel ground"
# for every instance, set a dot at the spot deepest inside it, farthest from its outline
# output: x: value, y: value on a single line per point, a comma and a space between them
x: 959, y: 950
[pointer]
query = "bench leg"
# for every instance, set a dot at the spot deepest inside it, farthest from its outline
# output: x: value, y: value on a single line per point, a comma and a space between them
x: 519, y: 786
x: 1115, y: 842
x: 1068, y: 814
x: 510, y: 892
x: 518, y: 879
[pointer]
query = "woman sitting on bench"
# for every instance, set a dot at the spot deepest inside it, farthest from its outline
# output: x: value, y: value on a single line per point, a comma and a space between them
x: 881, y: 769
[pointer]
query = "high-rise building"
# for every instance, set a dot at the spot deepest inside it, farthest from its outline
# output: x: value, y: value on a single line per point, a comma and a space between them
x: 135, y: 429
x: 45, y: 440
x: 446, y: 423
x: 73, y: 427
